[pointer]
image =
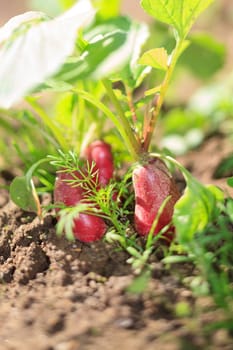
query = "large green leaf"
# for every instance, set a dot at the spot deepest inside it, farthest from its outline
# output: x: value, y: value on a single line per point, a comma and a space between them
x: 38, y: 50
x: 181, y: 14
x: 93, y: 63
x: 114, y: 47
x: 195, y: 209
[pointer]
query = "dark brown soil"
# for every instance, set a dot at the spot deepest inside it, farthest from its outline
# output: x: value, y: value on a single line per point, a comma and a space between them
x: 57, y: 295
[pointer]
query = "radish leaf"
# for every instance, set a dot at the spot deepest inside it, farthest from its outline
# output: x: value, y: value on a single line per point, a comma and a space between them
x: 195, y: 209
x: 156, y: 58
x: 113, y: 50
x: 22, y: 194
x: 181, y: 14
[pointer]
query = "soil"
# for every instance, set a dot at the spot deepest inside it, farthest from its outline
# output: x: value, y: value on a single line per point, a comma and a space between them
x: 59, y: 295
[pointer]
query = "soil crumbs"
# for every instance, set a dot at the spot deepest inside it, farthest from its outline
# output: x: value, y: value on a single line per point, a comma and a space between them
x: 57, y: 295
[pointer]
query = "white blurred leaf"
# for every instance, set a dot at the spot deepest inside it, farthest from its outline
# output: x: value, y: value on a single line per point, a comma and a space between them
x: 128, y: 53
x: 14, y: 23
x: 39, y: 52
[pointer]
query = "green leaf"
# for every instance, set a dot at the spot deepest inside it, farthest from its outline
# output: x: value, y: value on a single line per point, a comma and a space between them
x: 38, y: 51
x: 93, y: 63
x: 22, y: 194
x: 114, y: 48
x: 192, y: 211
x: 195, y: 209
x: 133, y: 75
x: 204, y: 56
x: 156, y: 58
x: 181, y: 14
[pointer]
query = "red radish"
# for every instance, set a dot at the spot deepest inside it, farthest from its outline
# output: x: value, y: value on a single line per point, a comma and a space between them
x: 100, y: 153
x: 64, y: 191
x: 86, y: 228
x: 89, y: 228
x: 152, y: 185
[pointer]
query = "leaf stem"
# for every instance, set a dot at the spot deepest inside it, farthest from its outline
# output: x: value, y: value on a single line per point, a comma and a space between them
x: 122, y: 127
x: 31, y: 170
x: 128, y: 135
x: 149, y: 127
x: 131, y: 104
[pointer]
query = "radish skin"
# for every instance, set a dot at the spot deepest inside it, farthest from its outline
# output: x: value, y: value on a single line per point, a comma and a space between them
x: 152, y: 184
x: 86, y: 227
